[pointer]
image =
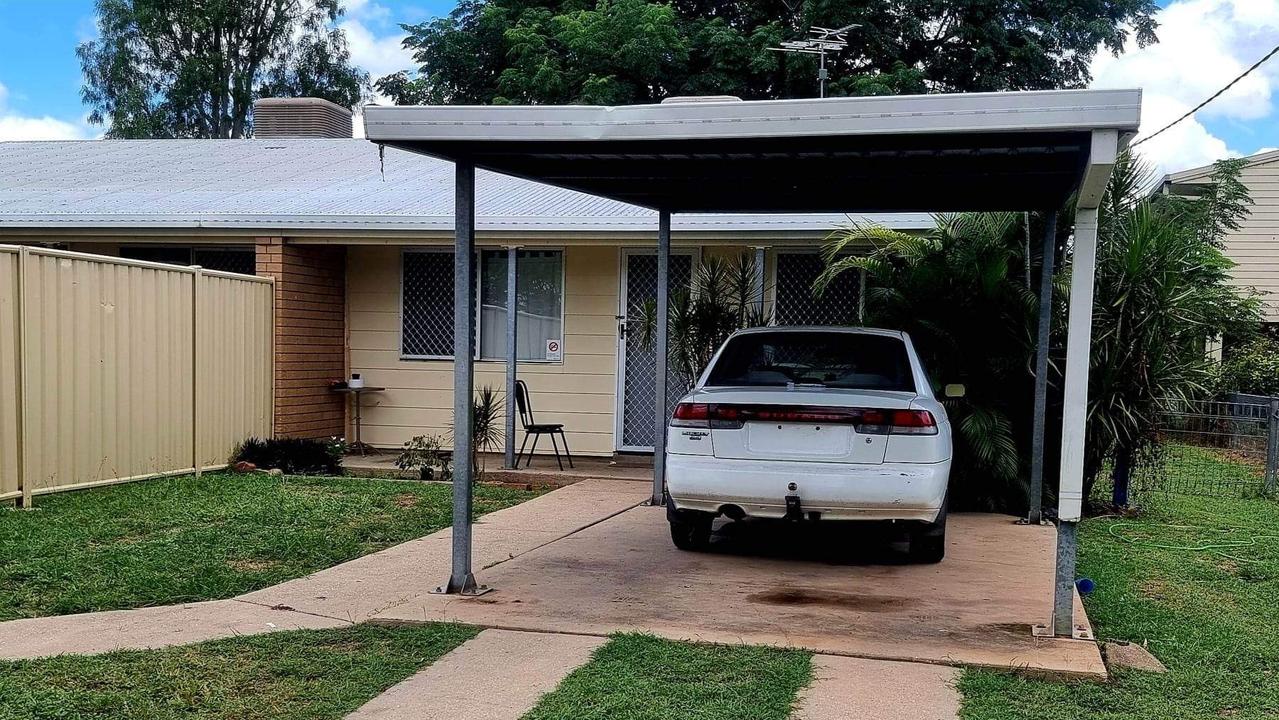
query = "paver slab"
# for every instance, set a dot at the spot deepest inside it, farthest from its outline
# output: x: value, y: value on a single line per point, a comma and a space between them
x: 498, y: 675
x: 847, y: 688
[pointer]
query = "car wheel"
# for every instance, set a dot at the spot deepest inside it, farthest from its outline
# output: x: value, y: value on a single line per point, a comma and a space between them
x: 690, y: 530
x: 928, y: 543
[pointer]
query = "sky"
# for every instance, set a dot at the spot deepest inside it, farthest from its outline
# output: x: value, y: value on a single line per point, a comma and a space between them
x: 1203, y: 44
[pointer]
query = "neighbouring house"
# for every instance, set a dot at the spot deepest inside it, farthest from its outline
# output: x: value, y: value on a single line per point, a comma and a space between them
x: 1255, y: 245
x: 359, y: 240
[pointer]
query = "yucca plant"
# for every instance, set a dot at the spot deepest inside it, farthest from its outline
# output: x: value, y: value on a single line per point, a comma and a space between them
x: 487, y: 431
x: 722, y: 297
x: 1162, y: 290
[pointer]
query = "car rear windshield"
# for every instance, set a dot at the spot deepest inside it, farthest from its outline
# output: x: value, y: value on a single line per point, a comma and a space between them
x: 838, y: 360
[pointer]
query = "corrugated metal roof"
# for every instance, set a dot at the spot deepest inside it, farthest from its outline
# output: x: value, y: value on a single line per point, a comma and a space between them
x: 309, y: 184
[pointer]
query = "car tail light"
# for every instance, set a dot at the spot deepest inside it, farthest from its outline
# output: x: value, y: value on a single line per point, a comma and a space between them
x: 691, y: 415
x: 872, y: 421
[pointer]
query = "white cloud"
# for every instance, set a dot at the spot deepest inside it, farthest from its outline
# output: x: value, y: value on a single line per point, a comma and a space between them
x: 373, y: 39
x: 1203, y: 44
x: 14, y: 126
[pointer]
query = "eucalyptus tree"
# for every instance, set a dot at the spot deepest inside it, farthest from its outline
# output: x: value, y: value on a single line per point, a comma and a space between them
x: 192, y: 69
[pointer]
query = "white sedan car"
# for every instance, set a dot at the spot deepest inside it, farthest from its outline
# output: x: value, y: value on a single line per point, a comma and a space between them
x: 811, y: 423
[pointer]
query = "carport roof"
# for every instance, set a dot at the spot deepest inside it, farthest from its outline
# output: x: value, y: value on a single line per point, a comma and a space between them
x: 979, y: 151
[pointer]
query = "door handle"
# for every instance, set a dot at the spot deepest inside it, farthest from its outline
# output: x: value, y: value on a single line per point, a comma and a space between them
x: 621, y: 326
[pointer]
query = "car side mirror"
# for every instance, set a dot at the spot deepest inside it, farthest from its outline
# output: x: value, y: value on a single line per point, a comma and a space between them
x: 955, y: 390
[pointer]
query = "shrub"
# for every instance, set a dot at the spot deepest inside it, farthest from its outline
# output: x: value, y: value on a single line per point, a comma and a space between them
x: 1252, y: 368
x: 293, y: 456
x: 423, y: 452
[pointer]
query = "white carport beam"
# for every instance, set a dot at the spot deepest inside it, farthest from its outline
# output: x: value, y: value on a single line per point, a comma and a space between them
x: 1074, y: 421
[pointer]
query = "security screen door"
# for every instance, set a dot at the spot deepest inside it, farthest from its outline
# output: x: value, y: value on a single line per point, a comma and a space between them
x: 638, y: 364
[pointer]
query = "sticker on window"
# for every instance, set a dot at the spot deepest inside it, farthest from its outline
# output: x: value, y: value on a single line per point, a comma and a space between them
x: 554, y: 351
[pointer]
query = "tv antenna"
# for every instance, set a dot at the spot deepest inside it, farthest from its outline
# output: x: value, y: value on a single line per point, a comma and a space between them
x: 820, y: 40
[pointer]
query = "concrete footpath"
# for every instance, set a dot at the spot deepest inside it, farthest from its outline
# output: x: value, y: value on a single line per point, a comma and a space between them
x: 341, y: 595
x: 847, y: 688
x: 498, y: 675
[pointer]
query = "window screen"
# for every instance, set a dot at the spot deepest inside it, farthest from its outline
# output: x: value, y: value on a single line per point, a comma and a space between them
x: 540, y: 290
x: 427, y: 312
x: 795, y: 304
x: 226, y: 259
x: 236, y: 260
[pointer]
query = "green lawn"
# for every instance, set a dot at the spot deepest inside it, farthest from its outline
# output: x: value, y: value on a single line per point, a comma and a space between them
x: 180, y: 539
x: 638, y: 677
x: 311, y: 674
x: 1211, y: 615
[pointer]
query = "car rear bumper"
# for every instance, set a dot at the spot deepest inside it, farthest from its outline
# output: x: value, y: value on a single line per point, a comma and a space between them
x: 839, y: 491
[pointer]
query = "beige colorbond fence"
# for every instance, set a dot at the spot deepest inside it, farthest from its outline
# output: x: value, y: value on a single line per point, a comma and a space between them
x: 114, y: 370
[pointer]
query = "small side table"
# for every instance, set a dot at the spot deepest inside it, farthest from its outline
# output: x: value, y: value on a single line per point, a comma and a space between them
x: 356, y: 394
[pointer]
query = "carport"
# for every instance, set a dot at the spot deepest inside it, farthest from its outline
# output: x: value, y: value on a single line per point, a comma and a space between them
x: 1024, y: 151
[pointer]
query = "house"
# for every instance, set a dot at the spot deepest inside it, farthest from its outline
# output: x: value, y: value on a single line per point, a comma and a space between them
x: 360, y: 238
x: 1255, y: 245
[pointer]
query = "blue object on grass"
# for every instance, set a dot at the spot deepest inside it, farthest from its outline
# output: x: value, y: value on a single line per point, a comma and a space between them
x: 1085, y: 586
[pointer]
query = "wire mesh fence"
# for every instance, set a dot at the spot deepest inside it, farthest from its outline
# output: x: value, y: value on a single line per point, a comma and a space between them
x: 1219, y: 448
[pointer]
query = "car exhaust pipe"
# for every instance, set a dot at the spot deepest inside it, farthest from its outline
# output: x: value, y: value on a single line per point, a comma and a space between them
x: 733, y: 512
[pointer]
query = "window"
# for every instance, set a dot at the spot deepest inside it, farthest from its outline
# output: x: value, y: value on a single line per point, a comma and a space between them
x: 540, y: 292
x: 427, y: 304
x: 427, y: 312
x: 831, y: 359
x: 795, y: 304
x: 226, y: 259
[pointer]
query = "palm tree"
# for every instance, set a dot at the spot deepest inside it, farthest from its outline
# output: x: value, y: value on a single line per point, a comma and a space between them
x: 1162, y: 289
x: 959, y: 291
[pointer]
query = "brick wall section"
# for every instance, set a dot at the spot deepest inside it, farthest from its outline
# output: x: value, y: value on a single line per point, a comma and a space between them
x: 310, y: 335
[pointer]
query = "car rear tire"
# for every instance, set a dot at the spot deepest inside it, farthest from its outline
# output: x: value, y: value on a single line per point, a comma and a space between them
x: 690, y: 531
x: 928, y: 543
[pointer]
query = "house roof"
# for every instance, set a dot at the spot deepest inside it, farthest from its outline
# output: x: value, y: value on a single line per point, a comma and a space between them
x: 974, y: 151
x: 1201, y: 174
x: 305, y: 185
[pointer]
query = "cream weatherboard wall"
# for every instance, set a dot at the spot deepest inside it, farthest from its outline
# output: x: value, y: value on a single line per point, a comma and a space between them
x: 117, y: 370
x: 1255, y: 245
x: 578, y: 391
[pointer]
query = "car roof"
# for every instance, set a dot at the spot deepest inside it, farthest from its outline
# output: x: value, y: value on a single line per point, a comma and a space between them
x: 821, y: 329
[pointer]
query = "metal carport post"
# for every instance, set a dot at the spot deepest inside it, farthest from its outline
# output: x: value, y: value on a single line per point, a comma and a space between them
x: 461, y: 579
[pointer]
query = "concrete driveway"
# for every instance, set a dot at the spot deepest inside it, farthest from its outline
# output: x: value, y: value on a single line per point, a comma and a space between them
x: 589, y: 559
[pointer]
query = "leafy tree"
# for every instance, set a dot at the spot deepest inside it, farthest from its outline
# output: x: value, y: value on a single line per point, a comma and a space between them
x: 177, y: 68
x: 620, y: 51
x: 1252, y: 368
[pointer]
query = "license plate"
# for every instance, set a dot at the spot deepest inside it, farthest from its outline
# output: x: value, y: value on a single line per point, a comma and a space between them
x: 798, y: 440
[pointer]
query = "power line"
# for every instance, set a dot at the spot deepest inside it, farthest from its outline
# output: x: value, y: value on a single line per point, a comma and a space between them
x: 1214, y: 96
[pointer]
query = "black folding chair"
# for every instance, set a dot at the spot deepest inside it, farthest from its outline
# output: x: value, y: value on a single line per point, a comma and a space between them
x: 536, y: 429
